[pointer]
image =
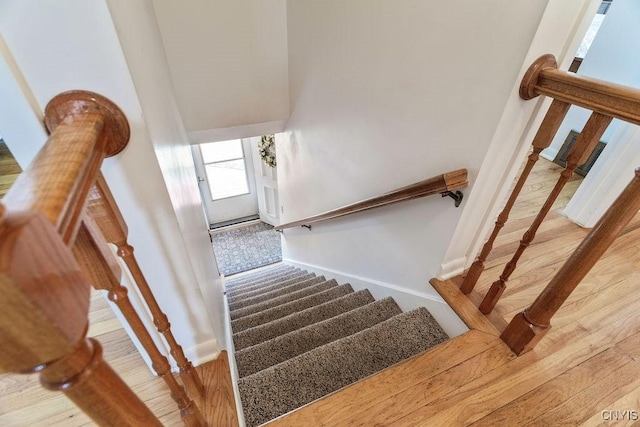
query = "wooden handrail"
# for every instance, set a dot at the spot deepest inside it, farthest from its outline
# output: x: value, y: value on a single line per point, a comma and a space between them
x: 610, y: 99
x: 85, y: 128
x: 45, y: 295
x: 45, y: 286
x: 442, y: 183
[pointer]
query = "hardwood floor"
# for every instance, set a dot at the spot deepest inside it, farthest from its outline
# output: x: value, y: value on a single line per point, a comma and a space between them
x: 588, y: 363
x: 9, y: 169
x: 23, y: 402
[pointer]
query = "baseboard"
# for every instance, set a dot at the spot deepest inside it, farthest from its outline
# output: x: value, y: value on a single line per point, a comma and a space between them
x: 452, y: 268
x: 549, y: 153
x: 233, y: 366
x: 407, y: 299
x: 199, y: 354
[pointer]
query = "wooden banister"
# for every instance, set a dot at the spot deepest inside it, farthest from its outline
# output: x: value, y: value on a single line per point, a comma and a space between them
x: 606, y: 101
x: 610, y: 99
x: 43, y: 322
x: 103, y: 210
x: 442, y: 183
x: 586, y: 142
x: 550, y: 125
x: 100, y: 265
x: 527, y: 328
x: 85, y: 128
x: 45, y: 295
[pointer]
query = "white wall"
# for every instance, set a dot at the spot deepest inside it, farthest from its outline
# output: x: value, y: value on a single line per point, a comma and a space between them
x: 228, y: 61
x: 383, y: 95
x: 67, y: 45
x: 612, y: 57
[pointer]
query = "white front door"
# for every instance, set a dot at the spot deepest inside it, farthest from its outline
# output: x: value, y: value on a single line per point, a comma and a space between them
x: 266, y: 187
x: 226, y: 177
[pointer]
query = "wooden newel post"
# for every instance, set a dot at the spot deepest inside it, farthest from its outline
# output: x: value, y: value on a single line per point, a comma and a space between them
x: 43, y: 322
x: 528, y: 327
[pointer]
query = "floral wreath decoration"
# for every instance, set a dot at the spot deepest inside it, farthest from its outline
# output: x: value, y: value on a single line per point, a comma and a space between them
x: 267, y: 150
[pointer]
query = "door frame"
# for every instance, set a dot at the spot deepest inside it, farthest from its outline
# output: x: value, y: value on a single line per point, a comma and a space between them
x: 227, y: 205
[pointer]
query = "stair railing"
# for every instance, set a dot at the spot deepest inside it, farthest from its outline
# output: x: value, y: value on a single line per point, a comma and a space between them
x: 606, y: 101
x: 444, y: 184
x: 53, y: 249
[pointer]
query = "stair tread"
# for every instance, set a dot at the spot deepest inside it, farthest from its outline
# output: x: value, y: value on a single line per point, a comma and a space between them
x: 240, y: 277
x: 283, y: 299
x: 289, y: 308
x: 260, y: 277
x: 269, y: 288
x: 261, y: 333
x: 235, y: 303
x: 291, y: 384
x: 279, y: 349
x: 253, y: 286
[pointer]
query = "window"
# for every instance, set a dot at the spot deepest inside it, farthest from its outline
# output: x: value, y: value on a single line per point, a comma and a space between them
x: 225, y: 168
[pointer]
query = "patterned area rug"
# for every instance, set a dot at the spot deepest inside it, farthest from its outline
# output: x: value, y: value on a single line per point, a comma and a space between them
x: 246, y: 248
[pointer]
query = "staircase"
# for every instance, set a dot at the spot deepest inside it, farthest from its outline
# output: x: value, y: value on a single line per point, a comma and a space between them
x: 299, y: 337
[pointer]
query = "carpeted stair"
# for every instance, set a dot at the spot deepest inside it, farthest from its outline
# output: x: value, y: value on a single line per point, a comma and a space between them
x: 299, y: 337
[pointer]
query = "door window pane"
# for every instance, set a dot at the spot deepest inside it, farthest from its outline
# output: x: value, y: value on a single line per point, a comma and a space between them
x: 227, y: 179
x: 221, y: 151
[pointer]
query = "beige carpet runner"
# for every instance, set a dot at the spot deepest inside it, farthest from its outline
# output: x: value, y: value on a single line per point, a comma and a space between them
x: 299, y: 337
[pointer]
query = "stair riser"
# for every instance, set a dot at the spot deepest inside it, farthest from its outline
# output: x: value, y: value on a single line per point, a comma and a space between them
x: 256, y: 335
x: 250, y: 293
x: 271, y: 275
x: 250, y: 276
x: 237, y: 303
x: 284, y: 299
x: 289, y: 308
x: 277, y: 350
x: 257, y: 286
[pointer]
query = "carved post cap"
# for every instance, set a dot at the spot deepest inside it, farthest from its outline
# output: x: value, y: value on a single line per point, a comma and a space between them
x: 528, y: 84
x: 79, y: 102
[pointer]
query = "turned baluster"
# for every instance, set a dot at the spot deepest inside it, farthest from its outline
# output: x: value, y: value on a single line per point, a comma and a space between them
x: 94, y: 255
x: 552, y: 121
x: 580, y: 151
x: 103, y: 209
x: 44, y: 319
x: 528, y: 327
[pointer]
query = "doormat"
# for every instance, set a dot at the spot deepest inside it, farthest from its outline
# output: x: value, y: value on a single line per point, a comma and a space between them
x: 246, y: 248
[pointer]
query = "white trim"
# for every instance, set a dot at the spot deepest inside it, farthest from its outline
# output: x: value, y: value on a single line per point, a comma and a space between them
x: 549, y: 154
x: 560, y: 31
x: 233, y: 366
x: 235, y: 132
x: 452, y: 268
x: 407, y: 299
x: 200, y: 354
x: 607, y: 178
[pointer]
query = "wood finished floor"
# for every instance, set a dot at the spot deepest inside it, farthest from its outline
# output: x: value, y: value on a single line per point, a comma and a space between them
x: 24, y: 403
x: 9, y: 169
x: 588, y: 363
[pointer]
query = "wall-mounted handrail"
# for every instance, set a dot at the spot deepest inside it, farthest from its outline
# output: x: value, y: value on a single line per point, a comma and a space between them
x: 437, y: 185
